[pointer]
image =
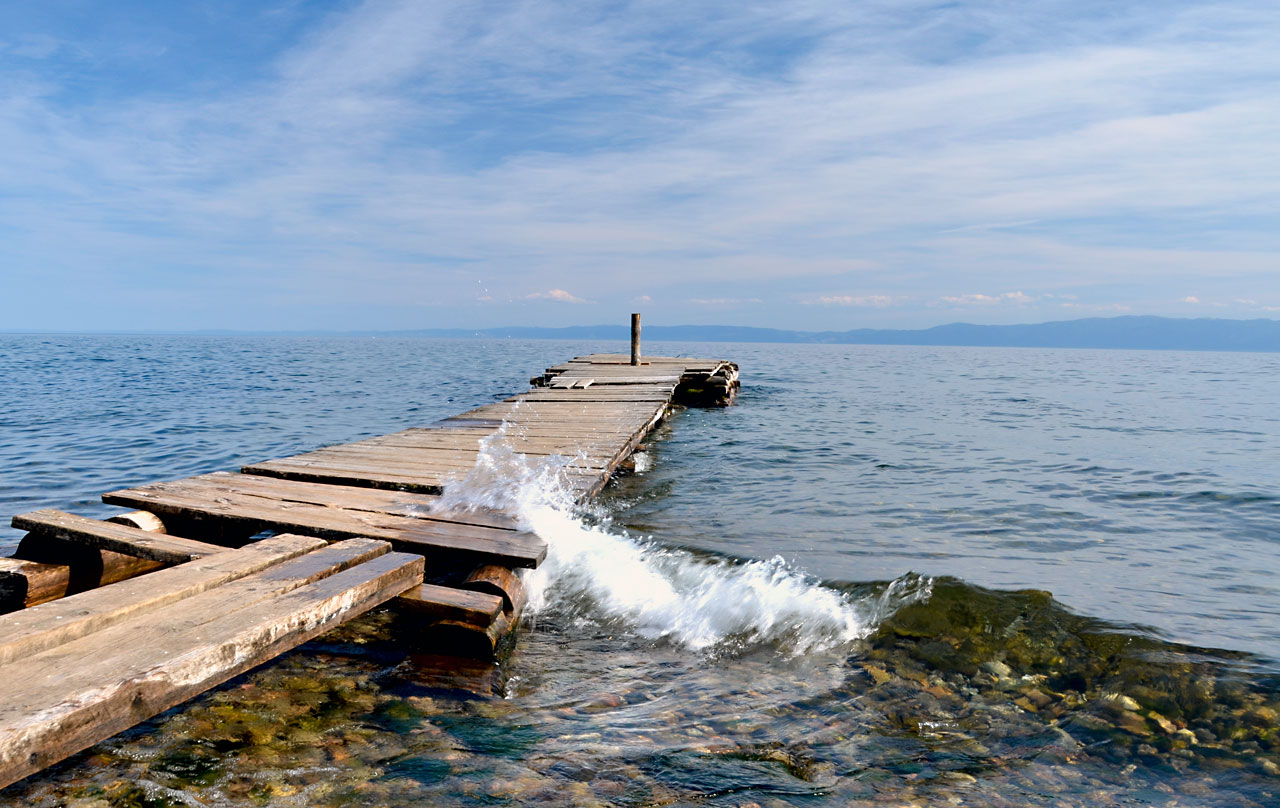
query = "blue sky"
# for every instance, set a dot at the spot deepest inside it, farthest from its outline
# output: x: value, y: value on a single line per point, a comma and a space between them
x: 808, y: 164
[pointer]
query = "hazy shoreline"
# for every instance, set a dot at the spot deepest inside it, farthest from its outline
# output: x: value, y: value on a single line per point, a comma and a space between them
x: 1120, y: 333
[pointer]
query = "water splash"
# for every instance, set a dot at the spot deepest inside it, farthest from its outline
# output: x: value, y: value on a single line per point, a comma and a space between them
x: 597, y: 573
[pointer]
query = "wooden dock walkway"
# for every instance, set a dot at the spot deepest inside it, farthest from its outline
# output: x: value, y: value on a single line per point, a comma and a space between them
x: 111, y: 622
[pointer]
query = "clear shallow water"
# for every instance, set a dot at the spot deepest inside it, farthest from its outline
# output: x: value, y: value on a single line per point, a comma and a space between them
x: 673, y: 659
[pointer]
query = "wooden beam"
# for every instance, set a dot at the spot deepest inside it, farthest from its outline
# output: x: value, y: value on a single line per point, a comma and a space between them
x: 433, y: 602
x: 117, y: 538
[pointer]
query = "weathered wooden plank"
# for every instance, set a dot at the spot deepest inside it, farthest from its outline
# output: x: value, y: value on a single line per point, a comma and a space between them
x: 49, y: 711
x: 437, y: 477
x: 346, y: 476
x: 419, y: 506
x: 543, y: 424
x: 408, y: 461
x: 270, y: 582
x: 114, y: 537
x: 605, y: 394
x: 635, y: 393
x: 433, y: 471
x: 515, y: 437
x: 434, y: 465
x: 525, y: 444
x: 465, y: 448
x: 39, y: 628
x: 571, y: 425
x: 461, y: 422
x: 433, y: 602
x: 408, y: 534
x: 418, y: 484
x: 588, y: 396
x: 564, y: 409
x: 566, y: 380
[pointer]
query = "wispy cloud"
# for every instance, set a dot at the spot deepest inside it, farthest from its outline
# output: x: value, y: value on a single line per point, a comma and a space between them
x: 559, y: 295
x: 977, y: 299
x: 392, y: 152
x: 721, y: 302
x: 878, y: 301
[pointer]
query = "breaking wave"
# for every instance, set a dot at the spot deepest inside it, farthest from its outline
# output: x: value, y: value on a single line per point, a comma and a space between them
x: 599, y: 573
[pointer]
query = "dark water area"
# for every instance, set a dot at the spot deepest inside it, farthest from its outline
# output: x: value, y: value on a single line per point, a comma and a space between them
x: 836, y: 592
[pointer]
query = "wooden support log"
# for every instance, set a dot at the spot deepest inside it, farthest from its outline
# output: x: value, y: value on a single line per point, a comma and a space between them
x: 142, y: 520
x: 460, y: 639
x: 27, y: 583
x: 496, y: 579
x: 476, y: 620
x: 45, y: 568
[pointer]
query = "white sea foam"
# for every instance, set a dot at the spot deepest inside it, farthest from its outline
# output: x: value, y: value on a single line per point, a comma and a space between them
x: 599, y: 573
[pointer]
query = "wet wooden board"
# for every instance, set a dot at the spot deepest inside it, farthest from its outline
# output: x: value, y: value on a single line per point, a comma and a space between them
x: 250, y: 513
x: 69, y: 697
x: 114, y: 537
x: 479, y: 609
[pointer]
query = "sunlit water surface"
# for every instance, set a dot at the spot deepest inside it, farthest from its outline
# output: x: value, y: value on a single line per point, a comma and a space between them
x: 836, y: 592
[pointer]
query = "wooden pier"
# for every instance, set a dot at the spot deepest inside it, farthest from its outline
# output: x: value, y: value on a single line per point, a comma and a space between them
x: 107, y: 623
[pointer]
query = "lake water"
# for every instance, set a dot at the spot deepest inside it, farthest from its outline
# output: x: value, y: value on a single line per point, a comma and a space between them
x: 834, y: 592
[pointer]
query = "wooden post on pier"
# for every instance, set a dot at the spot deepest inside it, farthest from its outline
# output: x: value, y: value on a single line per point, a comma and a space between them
x: 635, y: 338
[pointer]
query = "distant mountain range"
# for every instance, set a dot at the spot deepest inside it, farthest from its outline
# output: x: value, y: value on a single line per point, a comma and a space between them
x: 1134, y: 332
x: 1147, y: 333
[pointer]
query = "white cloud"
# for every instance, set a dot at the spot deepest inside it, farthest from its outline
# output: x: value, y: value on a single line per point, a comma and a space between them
x: 1190, y: 299
x: 723, y: 301
x: 974, y: 299
x: 879, y: 301
x: 556, y: 294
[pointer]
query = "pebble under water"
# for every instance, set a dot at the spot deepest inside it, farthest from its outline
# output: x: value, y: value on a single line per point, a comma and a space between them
x: 835, y: 593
